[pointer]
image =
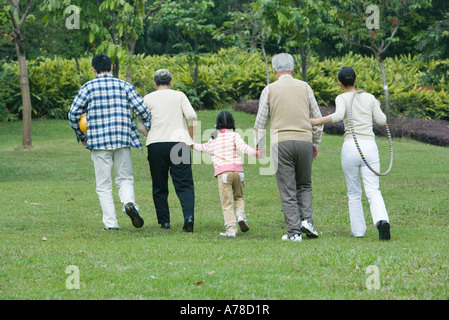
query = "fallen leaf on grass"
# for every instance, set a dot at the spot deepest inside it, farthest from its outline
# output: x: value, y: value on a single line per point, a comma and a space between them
x: 199, y: 283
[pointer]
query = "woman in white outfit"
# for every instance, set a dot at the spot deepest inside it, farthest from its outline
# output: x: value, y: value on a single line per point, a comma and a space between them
x: 365, y: 108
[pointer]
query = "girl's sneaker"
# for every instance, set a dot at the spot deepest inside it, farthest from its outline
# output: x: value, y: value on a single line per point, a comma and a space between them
x: 243, y: 224
x: 228, y: 234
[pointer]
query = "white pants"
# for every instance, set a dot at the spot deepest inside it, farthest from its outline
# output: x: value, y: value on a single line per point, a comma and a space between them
x: 103, y: 161
x: 353, y: 166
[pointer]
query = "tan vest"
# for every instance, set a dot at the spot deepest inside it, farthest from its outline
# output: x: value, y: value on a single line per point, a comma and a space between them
x: 288, y: 101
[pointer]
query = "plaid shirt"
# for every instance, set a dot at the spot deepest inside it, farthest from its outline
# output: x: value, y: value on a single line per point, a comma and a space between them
x: 107, y: 102
x: 263, y: 115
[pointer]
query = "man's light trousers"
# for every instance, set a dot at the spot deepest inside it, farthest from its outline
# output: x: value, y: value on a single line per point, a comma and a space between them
x: 119, y: 160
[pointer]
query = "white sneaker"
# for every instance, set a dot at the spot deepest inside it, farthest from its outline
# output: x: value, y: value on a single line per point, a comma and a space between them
x: 243, y: 224
x: 308, y: 229
x: 228, y: 234
x: 295, y: 237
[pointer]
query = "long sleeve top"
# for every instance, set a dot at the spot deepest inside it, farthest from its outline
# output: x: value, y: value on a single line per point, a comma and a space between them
x: 224, y: 151
x: 365, y: 108
x: 169, y: 111
x: 107, y: 102
x: 263, y: 114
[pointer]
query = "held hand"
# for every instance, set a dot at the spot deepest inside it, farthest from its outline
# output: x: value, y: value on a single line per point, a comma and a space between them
x: 260, y: 153
x: 314, y: 122
x: 315, y: 152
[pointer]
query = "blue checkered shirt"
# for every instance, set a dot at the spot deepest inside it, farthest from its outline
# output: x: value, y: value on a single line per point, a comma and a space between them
x: 107, y: 102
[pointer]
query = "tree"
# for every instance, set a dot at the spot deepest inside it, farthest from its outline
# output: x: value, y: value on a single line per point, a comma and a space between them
x: 298, y: 24
x: 113, y: 25
x: 140, y: 17
x: 17, y: 18
x: 434, y: 42
x: 244, y: 31
x: 191, y: 19
x: 373, y: 25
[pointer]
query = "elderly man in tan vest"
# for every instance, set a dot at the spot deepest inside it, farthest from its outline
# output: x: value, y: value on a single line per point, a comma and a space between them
x: 288, y: 104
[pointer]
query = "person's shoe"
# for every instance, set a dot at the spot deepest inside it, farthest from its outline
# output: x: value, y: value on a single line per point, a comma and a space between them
x: 165, y: 225
x: 296, y: 237
x: 228, y: 234
x: 132, y: 212
x: 308, y: 229
x: 384, y: 230
x: 109, y: 228
x: 244, y: 227
x: 356, y: 236
x: 188, y: 225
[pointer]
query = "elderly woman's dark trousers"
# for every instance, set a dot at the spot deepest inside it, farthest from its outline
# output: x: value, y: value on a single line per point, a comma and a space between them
x: 173, y: 158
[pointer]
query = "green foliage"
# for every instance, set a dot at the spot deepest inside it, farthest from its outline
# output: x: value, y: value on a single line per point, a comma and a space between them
x: 53, y: 85
x: 10, y: 94
x: 225, y: 77
x: 405, y: 77
x: 434, y: 42
x: 233, y: 75
x: 57, y: 80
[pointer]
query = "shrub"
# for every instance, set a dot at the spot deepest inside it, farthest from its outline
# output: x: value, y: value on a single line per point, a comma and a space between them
x: 435, y: 132
x: 54, y: 83
x: 232, y: 75
x: 10, y: 94
x: 250, y: 107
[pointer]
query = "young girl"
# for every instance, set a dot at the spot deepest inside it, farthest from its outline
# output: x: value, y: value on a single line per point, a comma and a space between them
x: 223, y: 147
x: 365, y: 108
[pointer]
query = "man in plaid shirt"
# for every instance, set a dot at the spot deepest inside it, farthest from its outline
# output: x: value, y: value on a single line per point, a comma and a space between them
x: 111, y: 132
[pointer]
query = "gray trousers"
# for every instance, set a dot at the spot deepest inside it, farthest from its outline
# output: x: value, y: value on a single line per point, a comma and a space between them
x: 293, y: 162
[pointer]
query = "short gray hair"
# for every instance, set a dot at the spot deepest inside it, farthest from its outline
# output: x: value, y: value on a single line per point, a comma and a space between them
x: 283, y: 62
x: 162, y: 77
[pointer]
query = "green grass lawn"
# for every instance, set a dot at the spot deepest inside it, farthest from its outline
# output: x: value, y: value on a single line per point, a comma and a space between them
x: 50, y: 220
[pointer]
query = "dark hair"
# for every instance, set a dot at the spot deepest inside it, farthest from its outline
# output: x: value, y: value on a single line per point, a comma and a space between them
x: 101, y: 63
x: 225, y: 120
x: 347, y: 76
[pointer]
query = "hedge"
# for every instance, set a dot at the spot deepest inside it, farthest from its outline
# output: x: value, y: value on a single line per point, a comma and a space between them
x: 227, y: 77
x: 435, y: 132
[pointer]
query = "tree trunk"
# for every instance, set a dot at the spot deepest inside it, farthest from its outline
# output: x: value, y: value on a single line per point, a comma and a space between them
x: 26, y: 98
x: 116, y: 69
x: 196, y: 72
x: 385, y: 86
x: 266, y: 62
x: 129, y: 69
x: 78, y: 67
x: 305, y: 58
x: 22, y: 60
